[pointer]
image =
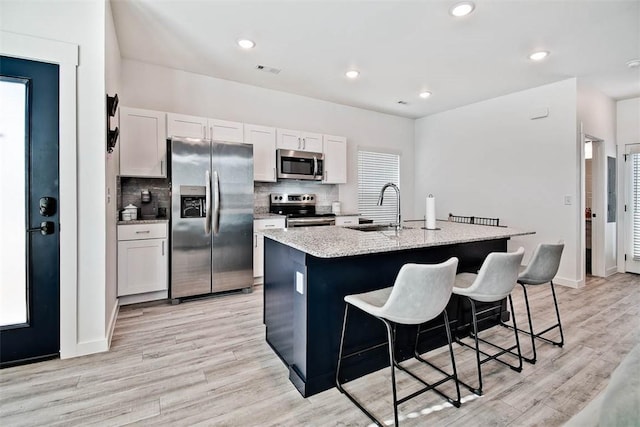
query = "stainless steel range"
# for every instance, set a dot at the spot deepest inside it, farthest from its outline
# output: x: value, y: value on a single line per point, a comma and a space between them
x: 300, y: 210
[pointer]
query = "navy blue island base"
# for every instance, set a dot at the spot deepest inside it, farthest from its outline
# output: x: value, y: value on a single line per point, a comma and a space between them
x: 304, y: 307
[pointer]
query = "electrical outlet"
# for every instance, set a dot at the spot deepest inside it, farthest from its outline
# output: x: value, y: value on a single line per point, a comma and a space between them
x: 567, y: 200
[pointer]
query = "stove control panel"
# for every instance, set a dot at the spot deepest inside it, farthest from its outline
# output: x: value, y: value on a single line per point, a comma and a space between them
x: 293, y: 199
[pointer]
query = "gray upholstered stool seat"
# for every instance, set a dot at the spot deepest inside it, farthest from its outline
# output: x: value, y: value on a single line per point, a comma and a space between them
x: 420, y: 293
x: 542, y: 268
x: 494, y: 282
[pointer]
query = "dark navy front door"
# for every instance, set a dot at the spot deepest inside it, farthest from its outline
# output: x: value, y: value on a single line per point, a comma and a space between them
x: 29, y: 222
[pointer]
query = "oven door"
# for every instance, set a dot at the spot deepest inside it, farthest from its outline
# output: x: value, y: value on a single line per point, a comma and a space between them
x: 310, y: 221
x: 300, y: 165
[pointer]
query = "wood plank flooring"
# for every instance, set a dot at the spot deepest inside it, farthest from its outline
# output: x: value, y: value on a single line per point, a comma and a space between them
x: 207, y: 363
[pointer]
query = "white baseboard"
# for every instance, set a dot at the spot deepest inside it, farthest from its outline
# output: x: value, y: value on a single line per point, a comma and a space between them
x: 611, y: 271
x: 112, y: 323
x: 576, y: 284
x: 149, y: 296
x: 87, y: 347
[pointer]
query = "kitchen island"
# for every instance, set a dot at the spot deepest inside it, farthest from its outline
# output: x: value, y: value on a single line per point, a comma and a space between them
x: 308, y: 271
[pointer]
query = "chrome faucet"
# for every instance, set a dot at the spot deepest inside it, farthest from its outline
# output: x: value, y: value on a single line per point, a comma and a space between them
x: 381, y: 199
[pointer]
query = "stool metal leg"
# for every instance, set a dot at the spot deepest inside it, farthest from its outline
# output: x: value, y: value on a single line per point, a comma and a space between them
x: 538, y: 335
x: 393, y: 364
x: 495, y: 356
x: 338, y: 383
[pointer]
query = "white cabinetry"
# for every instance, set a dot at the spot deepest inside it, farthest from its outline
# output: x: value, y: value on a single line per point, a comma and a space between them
x: 263, y: 139
x: 203, y: 127
x: 258, y: 242
x: 142, y: 260
x: 143, y: 143
x: 335, y: 159
x: 347, y: 220
x: 289, y: 139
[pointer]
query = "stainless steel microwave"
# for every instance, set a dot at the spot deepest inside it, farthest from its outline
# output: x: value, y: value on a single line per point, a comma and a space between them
x: 300, y: 165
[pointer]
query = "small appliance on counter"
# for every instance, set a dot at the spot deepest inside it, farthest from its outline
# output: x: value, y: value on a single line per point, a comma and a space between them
x: 130, y: 213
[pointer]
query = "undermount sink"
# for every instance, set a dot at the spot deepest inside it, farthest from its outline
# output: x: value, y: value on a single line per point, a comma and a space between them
x: 377, y: 227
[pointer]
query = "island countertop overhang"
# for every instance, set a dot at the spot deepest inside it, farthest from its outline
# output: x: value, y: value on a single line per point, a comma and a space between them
x: 335, y: 242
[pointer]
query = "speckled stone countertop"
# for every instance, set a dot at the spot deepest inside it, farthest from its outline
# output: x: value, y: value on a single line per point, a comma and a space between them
x: 334, y: 242
x: 144, y: 221
x: 267, y: 215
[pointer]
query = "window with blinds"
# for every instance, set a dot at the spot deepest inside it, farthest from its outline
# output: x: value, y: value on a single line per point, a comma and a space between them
x: 635, y: 182
x: 374, y: 171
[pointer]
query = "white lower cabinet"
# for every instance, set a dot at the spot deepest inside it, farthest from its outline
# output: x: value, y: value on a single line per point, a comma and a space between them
x: 258, y: 242
x: 347, y: 220
x: 142, y: 260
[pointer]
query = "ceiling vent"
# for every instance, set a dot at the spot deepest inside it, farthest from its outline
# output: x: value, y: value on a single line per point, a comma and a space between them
x: 267, y: 69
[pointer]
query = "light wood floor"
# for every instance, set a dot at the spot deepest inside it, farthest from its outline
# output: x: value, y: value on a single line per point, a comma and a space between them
x: 206, y: 363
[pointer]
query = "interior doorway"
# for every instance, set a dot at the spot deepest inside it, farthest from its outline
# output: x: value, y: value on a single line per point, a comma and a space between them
x: 593, y: 233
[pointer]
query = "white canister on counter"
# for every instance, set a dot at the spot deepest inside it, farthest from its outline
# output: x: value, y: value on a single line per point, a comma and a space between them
x: 336, y: 208
x: 130, y: 212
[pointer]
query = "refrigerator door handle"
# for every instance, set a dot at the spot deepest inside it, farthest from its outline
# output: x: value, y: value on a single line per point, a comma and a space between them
x: 207, y: 198
x: 216, y: 203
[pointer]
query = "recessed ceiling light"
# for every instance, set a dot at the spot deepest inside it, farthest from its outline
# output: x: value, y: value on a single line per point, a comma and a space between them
x: 463, y: 8
x: 539, y: 56
x: 425, y: 94
x: 246, y: 43
x: 634, y: 63
x: 352, y: 74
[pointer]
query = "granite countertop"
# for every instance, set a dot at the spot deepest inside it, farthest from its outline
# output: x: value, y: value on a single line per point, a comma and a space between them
x: 144, y: 221
x: 267, y: 215
x: 334, y: 242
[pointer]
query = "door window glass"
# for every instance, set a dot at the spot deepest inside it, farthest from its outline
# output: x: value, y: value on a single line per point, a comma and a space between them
x: 13, y: 280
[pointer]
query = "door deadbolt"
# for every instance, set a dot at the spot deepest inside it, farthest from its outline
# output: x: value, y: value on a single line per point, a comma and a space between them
x: 46, y: 227
x: 47, y: 206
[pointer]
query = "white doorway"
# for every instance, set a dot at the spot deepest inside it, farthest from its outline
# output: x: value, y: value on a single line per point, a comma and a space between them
x: 594, y: 206
x: 632, y: 208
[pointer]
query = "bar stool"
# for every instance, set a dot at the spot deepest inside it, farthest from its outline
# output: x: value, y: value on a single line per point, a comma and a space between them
x: 495, y: 281
x: 420, y: 293
x: 541, y: 269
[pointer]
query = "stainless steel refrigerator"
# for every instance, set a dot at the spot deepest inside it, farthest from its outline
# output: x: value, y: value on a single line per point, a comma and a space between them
x: 211, y: 216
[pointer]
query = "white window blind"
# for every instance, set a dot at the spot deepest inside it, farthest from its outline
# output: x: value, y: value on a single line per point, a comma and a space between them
x: 635, y: 178
x: 374, y: 171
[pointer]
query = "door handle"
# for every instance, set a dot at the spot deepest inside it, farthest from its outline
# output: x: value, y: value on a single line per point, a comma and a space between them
x: 304, y: 143
x: 216, y: 203
x: 46, y: 227
x: 207, y: 219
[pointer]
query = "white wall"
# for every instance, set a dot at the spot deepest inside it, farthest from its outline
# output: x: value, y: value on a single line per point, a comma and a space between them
x: 112, y: 85
x: 627, y: 132
x: 597, y: 113
x: 159, y: 88
x: 81, y: 23
x: 490, y: 159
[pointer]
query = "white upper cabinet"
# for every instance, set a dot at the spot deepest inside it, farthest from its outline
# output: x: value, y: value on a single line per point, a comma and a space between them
x: 263, y: 139
x: 202, y: 127
x: 289, y: 139
x: 335, y: 159
x: 143, y: 143
x: 186, y: 126
x: 223, y: 130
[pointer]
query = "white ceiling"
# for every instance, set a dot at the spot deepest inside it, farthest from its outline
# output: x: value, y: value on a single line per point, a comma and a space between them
x: 400, y: 47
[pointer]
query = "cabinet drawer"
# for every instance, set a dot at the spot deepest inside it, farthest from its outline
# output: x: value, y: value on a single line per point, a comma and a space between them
x: 263, y: 224
x: 347, y: 220
x: 142, y: 231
